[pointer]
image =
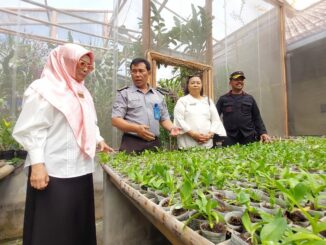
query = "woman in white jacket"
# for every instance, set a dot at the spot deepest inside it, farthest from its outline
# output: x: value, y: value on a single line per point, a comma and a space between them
x: 57, y: 127
x: 197, y: 117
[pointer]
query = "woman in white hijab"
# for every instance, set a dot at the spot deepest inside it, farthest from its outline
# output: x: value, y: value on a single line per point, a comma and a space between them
x: 58, y: 128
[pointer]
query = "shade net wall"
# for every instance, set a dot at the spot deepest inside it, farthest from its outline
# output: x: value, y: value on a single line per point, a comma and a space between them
x: 252, y: 43
x: 307, y: 88
x: 306, y: 73
x: 29, y: 30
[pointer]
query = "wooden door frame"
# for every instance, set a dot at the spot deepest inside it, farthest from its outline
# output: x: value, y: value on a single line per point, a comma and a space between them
x: 206, y: 70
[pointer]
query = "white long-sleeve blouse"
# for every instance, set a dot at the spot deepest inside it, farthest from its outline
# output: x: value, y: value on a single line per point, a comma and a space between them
x: 45, y: 134
x: 197, y: 115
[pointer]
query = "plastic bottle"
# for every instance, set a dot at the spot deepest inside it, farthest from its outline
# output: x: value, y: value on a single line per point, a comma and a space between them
x: 157, y: 112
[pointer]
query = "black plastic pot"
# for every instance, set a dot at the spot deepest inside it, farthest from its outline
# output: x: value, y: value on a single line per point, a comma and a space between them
x: 7, y: 155
x: 21, y: 154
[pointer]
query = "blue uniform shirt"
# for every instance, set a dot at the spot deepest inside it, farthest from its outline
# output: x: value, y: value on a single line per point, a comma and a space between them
x: 136, y: 107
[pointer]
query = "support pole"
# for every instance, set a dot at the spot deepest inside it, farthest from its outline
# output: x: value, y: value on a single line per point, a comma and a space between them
x: 146, y: 26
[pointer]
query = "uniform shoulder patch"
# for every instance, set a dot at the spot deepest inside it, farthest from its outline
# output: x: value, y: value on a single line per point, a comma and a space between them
x: 123, y: 88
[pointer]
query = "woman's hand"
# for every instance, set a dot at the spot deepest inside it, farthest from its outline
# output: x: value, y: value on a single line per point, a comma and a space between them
x: 174, y: 131
x: 200, y: 138
x: 206, y: 137
x: 103, y: 147
x: 39, y: 176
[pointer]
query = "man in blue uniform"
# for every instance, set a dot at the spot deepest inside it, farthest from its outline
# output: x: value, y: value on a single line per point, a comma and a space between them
x: 240, y: 113
x: 133, y: 111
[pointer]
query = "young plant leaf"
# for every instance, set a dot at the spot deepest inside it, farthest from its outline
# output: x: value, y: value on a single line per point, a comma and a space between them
x: 273, y: 231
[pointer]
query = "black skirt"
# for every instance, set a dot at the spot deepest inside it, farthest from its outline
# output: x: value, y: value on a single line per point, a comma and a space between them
x: 61, y: 214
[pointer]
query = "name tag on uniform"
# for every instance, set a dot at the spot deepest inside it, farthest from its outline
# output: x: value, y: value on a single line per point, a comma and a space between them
x: 192, y: 104
x: 80, y: 95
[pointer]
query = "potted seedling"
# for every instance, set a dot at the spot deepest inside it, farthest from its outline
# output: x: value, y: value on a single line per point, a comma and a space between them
x: 295, y: 196
x: 270, y: 207
x: 249, y: 236
x: 233, y: 220
x: 316, y: 184
x: 186, y: 209
x: 213, y: 229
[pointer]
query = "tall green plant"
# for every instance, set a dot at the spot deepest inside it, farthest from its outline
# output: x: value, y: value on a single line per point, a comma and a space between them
x: 192, y: 34
x: 159, y: 32
x: 171, y: 88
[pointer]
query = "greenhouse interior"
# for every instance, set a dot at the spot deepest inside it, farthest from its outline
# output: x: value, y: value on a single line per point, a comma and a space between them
x: 256, y: 193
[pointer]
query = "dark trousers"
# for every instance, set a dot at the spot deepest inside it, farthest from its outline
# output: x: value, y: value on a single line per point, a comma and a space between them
x: 239, y: 139
x: 132, y: 143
